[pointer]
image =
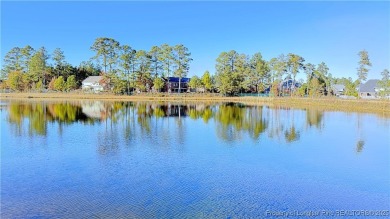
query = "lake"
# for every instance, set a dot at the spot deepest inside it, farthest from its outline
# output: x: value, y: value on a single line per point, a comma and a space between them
x: 83, y: 159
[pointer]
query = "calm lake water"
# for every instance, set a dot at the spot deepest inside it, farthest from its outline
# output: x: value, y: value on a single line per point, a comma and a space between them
x: 84, y: 159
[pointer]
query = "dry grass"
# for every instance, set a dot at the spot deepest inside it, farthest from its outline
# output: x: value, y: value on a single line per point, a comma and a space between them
x: 381, y: 107
x: 335, y: 104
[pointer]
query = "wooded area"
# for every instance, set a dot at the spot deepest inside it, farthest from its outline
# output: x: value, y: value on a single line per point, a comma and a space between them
x: 28, y: 69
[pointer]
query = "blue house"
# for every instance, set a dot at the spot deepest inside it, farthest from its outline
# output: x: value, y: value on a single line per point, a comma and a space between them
x: 176, y: 85
x: 289, y: 85
x: 286, y: 86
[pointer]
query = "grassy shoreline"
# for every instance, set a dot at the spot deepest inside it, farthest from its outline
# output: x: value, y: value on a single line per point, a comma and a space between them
x: 334, y: 104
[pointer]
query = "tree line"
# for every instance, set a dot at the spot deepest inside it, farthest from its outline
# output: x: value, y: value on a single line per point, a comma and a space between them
x: 236, y: 73
x: 28, y: 69
x: 128, y: 69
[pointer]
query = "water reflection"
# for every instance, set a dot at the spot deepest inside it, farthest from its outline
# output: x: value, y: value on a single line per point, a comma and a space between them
x: 359, y: 146
x: 232, y: 121
x: 292, y: 134
x: 68, y: 159
x: 314, y: 118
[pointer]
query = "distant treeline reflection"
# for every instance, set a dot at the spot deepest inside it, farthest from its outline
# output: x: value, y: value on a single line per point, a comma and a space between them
x: 231, y: 120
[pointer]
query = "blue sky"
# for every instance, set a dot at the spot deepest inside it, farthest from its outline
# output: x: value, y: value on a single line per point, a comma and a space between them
x: 333, y: 32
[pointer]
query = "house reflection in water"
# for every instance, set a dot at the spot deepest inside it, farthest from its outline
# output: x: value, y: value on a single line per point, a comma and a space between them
x: 176, y: 110
x: 95, y: 109
x: 170, y: 110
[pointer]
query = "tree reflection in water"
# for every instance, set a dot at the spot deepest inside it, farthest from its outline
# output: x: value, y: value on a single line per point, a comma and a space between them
x: 314, y: 118
x: 359, y: 146
x: 152, y: 119
x: 291, y: 134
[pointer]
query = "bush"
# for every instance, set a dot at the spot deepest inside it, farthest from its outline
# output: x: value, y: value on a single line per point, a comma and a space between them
x: 59, y: 84
x: 71, y: 83
x: 16, y: 81
x: 39, y: 85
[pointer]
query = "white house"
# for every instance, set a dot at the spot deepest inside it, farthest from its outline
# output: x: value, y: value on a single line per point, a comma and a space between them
x: 93, y: 83
x: 338, y: 89
x: 370, y: 89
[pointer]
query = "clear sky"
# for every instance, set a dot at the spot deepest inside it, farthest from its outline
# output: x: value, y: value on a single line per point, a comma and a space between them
x: 333, y: 32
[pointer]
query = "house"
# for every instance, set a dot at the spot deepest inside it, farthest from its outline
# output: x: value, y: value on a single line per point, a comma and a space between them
x: 288, y: 85
x: 176, y: 85
x: 268, y: 89
x: 369, y: 90
x: 94, y: 84
x: 285, y: 86
x: 338, y: 89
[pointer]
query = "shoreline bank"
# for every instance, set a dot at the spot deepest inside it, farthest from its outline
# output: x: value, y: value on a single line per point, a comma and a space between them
x: 325, y: 103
